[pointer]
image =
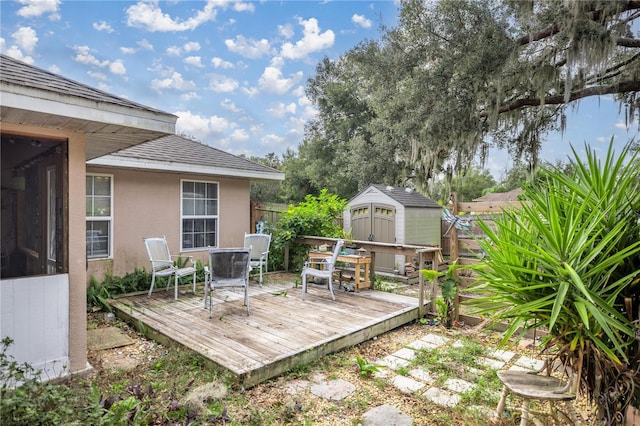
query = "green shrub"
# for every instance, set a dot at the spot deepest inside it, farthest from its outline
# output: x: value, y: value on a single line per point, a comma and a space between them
x: 315, y: 216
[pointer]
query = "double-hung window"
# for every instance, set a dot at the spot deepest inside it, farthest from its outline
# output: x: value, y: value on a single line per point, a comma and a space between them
x: 99, y: 208
x: 199, y: 214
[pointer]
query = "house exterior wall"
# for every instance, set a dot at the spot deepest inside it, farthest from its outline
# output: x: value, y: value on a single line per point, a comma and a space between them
x: 75, y: 310
x: 147, y: 204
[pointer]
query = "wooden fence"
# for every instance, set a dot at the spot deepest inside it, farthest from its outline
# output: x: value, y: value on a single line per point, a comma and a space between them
x: 267, y: 212
x: 463, y: 245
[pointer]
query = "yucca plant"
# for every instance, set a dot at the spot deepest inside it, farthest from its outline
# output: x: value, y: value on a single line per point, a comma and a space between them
x: 568, y: 262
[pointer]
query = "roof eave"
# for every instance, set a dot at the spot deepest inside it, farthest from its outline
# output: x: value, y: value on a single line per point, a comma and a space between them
x: 177, y: 167
x: 108, y: 127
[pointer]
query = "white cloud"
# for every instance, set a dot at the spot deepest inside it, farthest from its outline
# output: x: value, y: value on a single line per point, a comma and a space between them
x: 128, y: 50
x: 221, y: 63
x: 250, y: 91
x: 280, y: 109
x: 272, y: 81
x: 97, y: 75
x: 150, y: 17
x: 298, y: 91
x: 239, y: 135
x: 240, y: 6
x: 218, y: 124
x: 102, y: 26
x: 621, y: 125
x: 200, y: 127
x: 361, y: 20
x: 189, y: 96
x: 272, y: 139
x: 145, y: 44
x: 34, y: 8
x: 16, y: 53
x: 312, y: 41
x: 174, y: 51
x: 54, y: 69
x: 286, y: 30
x: 117, y: 67
x: 249, y: 48
x: 196, y: 61
x: 174, y: 82
x: 229, y: 105
x: 192, y: 46
x: 26, y: 38
x: 223, y: 84
x: 84, y: 56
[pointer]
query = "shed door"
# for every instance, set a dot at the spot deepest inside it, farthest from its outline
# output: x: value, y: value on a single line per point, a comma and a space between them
x: 375, y: 222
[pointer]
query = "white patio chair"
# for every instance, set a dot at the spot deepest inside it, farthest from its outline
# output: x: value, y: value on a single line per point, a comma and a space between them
x: 259, y: 246
x: 163, y: 265
x: 228, y: 267
x: 327, y: 266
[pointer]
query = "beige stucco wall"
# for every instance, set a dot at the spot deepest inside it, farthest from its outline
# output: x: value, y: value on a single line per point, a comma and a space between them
x: 147, y: 204
x: 77, y: 230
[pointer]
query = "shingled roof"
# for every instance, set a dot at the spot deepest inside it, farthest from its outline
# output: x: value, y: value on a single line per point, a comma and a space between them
x: 33, y: 96
x: 19, y: 73
x: 406, y: 196
x: 178, y: 154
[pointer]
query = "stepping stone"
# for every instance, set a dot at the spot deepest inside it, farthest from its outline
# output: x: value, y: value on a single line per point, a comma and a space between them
x: 382, y: 373
x: 385, y: 415
x: 407, y: 384
x: 435, y: 339
x: 393, y: 362
x: 107, y: 338
x: 502, y: 355
x: 201, y: 396
x: 422, y: 375
x: 405, y: 353
x: 458, y: 385
x: 334, y: 390
x: 530, y: 363
x: 292, y: 387
x: 491, y: 363
x: 421, y: 344
x: 442, y: 397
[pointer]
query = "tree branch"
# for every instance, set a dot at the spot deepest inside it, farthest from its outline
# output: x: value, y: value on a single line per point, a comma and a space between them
x: 622, y: 87
x: 593, y: 16
x: 628, y: 42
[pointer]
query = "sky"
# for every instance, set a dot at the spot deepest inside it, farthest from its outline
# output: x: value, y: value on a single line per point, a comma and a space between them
x: 234, y: 72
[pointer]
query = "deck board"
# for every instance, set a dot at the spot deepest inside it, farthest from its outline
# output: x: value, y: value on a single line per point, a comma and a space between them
x: 281, y: 331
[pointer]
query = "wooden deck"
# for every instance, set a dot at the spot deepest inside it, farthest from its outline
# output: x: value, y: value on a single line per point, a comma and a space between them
x: 281, y: 332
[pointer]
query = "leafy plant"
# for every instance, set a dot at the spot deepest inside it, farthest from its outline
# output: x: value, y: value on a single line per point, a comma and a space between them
x: 568, y: 262
x: 97, y: 295
x: 317, y: 216
x: 366, y: 368
x: 24, y: 399
x: 448, y: 289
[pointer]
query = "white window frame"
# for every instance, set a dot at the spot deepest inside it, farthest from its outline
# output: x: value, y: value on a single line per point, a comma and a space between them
x: 108, y: 219
x: 184, y: 216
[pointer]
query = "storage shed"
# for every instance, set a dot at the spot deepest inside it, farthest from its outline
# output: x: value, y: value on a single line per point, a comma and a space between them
x: 393, y: 215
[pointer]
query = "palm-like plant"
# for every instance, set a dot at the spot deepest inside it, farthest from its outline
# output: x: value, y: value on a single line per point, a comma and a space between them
x: 569, y: 262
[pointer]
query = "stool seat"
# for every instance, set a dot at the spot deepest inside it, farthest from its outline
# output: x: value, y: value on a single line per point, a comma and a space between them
x: 535, y: 386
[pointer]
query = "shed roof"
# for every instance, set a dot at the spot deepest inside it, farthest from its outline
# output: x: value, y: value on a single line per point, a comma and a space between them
x: 178, y: 154
x: 33, y: 96
x: 407, y: 197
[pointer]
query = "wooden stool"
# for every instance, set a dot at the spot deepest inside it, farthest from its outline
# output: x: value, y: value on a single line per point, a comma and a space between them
x: 532, y: 386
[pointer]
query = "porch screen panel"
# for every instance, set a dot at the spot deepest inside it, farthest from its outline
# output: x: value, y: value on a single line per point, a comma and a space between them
x: 199, y: 214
